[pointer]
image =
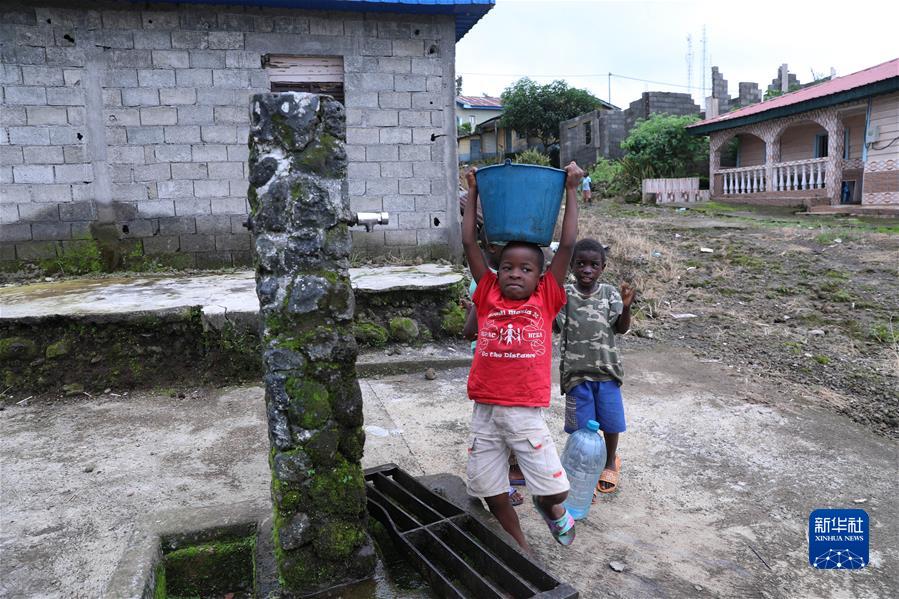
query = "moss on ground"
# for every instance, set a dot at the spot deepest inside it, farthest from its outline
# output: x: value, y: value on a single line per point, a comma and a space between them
x: 453, y: 319
x: 403, y: 329
x: 210, y: 569
x: 369, y: 333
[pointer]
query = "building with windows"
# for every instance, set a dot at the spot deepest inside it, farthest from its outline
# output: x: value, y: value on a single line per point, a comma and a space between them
x: 125, y: 124
x: 826, y: 145
x: 474, y: 110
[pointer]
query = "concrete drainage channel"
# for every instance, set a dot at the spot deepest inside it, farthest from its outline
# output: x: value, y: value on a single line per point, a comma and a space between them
x: 456, y: 553
x: 220, y: 550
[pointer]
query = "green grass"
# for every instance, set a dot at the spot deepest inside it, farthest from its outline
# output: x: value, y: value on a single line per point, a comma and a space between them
x: 746, y: 261
x: 842, y: 296
x: 830, y: 236
x: 714, y: 208
x: 794, y: 346
x: 785, y: 290
x: 884, y: 333
x: 822, y: 359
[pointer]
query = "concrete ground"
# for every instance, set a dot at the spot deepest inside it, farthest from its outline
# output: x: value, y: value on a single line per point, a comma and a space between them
x: 216, y: 294
x: 719, y: 475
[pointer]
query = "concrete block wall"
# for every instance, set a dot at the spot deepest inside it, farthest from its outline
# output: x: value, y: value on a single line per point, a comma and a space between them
x: 749, y: 94
x: 572, y: 143
x: 133, y: 119
x: 719, y: 90
x: 658, y: 103
x: 607, y: 127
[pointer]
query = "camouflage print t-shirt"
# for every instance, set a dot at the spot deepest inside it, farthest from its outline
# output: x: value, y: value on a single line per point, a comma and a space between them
x: 588, y: 336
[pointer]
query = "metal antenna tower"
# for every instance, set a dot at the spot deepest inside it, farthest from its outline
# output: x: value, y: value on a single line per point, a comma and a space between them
x: 704, y: 55
x: 689, y: 63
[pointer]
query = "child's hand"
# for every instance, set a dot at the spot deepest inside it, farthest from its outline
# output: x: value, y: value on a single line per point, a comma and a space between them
x: 627, y: 294
x: 471, y: 180
x: 575, y: 176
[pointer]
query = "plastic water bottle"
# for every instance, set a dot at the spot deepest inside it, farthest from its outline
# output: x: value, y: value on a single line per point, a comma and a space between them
x: 583, y: 459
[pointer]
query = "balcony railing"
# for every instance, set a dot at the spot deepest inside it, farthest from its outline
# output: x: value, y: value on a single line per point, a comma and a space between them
x: 800, y: 175
x: 796, y: 175
x: 748, y: 179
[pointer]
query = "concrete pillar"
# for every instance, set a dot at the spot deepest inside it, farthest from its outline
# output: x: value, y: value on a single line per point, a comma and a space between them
x: 299, y: 216
x: 835, y: 132
x: 772, y: 157
x: 711, y: 107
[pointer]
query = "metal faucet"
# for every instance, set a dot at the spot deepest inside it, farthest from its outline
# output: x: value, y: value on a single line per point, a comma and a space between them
x: 370, y: 219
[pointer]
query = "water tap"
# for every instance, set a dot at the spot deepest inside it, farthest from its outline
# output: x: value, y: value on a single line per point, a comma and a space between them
x: 370, y: 219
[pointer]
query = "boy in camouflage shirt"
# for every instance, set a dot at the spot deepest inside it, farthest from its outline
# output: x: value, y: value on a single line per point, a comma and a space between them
x: 591, y: 371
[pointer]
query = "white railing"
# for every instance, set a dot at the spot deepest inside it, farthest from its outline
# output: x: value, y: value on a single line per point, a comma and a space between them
x: 800, y: 175
x: 747, y: 179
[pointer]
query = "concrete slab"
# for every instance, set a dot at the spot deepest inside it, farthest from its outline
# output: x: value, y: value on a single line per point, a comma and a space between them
x: 715, y: 479
x: 230, y: 294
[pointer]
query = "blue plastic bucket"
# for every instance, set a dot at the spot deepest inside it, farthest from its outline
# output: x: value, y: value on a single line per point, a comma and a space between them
x: 520, y: 201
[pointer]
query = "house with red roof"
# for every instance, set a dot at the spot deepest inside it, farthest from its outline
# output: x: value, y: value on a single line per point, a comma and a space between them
x: 474, y: 110
x: 823, y: 146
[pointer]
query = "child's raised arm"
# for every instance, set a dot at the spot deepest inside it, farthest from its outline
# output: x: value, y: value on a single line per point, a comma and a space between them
x: 476, y: 262
x: 562, y: 259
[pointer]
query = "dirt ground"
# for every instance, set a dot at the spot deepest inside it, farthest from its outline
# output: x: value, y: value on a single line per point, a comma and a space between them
x: 717, y: 481
x: 811, y: 303
x: 776, y: 397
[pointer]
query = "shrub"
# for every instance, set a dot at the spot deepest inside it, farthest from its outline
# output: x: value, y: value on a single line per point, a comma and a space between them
x: 532, y: 156
x: 605, y: 175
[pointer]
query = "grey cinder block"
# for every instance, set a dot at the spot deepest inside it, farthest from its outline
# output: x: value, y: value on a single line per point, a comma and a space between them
x: 171, y: 59
x: 177, y: 95
x: 156, y: 77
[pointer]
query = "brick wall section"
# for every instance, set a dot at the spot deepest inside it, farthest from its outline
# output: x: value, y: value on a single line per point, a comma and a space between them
x: 658, y: 103
x: 607, y: 135
x: 139, y: 117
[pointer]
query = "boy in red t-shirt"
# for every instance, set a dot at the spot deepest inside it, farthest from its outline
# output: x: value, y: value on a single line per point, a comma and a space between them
x: 510, y: 373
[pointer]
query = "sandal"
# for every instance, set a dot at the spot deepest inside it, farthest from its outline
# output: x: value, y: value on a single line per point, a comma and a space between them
x: 609, y: 476
x: 562, y: 529
x: 515, y: 497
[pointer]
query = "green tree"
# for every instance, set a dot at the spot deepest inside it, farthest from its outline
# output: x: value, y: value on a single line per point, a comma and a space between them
x: 662, y: 144
x: 537, y: 110
x: 463, y: 129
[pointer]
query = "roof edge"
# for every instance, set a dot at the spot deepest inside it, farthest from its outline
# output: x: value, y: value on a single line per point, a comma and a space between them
x: 884, y: 86
x: 465, y: 13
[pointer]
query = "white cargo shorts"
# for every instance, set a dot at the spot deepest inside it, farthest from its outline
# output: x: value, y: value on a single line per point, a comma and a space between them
x: 497, y: 430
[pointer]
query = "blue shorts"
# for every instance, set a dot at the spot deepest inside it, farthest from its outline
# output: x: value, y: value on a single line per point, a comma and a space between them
x: 595, y: 400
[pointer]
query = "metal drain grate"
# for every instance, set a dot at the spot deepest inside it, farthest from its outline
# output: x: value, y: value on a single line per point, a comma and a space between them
x: 459, y: 556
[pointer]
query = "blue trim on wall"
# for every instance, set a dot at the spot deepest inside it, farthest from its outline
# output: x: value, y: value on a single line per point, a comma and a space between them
x: 466, y: 12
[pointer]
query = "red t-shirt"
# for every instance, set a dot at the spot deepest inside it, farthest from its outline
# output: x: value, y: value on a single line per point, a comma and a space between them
x: 513, y: 357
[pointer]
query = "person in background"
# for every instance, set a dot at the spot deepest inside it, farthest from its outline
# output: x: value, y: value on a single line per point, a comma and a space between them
x: 591, y: 371
x: 586, y: 192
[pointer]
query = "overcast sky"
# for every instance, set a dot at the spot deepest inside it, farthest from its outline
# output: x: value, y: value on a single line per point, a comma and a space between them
x: 581, y: 41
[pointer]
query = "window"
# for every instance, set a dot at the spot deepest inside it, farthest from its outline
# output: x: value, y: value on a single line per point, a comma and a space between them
x: 312, y: 74
x: 588, y: 133
x: 821, y: 145
x: 471, y: 121
x: 846, y: 143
